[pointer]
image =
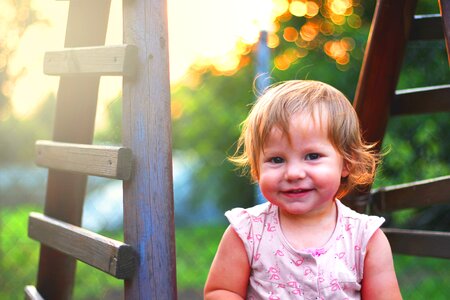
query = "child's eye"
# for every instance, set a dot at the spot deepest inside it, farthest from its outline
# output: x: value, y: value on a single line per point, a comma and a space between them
x: 276, y: 160
x: 312, y: 156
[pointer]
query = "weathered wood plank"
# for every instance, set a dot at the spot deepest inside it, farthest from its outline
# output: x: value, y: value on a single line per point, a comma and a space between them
x: 419, y: 242
x: 106, y: 161
x: 148, y: 197
x: 421, y: 100
x: 103, y: 60
x: 31, y: 293
x: 411, y: 195
x: 108, y: 255
x: 74, y: 123
x: 426, y: 27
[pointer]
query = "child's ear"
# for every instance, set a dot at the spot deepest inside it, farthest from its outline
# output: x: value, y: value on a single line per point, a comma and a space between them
x: 345, y: 172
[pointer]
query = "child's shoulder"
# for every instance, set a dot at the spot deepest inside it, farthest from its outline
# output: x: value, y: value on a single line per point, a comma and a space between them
x: 253, y: 217
x: 362, y: 223
x: 259, y: 210
x: 347, y: 212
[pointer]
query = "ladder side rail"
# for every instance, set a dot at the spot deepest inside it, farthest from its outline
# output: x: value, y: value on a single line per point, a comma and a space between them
x: 74, y: 122
x: 148, y: 196
x: 381, y: 66
x: 388, y: 36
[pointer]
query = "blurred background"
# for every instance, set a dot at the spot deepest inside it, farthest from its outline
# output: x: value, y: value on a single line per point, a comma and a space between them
x: 221, y: 53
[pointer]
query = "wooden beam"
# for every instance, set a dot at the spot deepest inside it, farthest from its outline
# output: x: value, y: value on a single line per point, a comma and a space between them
x: 105, y: 161
x: 421, y: 100
x: 103, y: 60
x: 108, y: 255
x: 419, y: 242
x: 426, y: 27
x: 74, y: 122
x: 381, y: 66
x: 31, y: 293
x: 148, y: 197
x: 411, y: 195
x: 383, y: 57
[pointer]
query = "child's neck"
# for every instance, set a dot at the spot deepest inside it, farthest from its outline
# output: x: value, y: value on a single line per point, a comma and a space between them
x: 309, y: 231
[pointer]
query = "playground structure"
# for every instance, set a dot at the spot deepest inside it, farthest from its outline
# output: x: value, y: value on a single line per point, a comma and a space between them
x: 146, y: 258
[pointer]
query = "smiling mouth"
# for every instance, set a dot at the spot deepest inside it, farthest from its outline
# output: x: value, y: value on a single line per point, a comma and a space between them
x: 297, y: 192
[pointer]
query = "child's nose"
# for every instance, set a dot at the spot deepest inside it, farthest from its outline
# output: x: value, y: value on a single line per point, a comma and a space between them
x: 295, y: 171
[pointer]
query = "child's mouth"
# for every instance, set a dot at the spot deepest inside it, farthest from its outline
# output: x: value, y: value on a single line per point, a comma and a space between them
x: 297, y: 192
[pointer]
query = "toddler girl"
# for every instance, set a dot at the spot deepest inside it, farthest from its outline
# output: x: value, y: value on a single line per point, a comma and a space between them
x: 301, y: 143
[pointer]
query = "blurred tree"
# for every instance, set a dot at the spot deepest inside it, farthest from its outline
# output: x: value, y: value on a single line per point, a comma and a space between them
x: 206, y: 123
x: 18, y: 135
x: 111, y: 134
x: 15, y: 17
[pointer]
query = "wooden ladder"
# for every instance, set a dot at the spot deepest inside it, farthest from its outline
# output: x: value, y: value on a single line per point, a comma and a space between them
x: 376, y: 99
x: 146, y: 258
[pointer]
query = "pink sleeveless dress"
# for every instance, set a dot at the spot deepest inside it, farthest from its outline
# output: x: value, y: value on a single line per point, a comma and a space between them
x: 279, y: 271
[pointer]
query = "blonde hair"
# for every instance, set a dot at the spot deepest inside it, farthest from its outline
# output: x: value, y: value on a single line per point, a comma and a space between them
x: 280, y: 102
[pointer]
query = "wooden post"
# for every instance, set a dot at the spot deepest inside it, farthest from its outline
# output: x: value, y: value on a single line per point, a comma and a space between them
x: 383, y: 59
x: 74, y: 123
x: 148, y: 195
x: 378, y: 79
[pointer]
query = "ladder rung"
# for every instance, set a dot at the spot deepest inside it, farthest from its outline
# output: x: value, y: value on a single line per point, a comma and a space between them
x: 105, y: 161
x: 108, y: 255
x: 412, y: 195
x: 102, y: 60
x: 426, y: 27
x: 31, y: 293
x: 422, y: 100
x: 419, y: 242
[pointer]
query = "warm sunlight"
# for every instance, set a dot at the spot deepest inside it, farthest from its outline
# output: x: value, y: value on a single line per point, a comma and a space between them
x: 203, y: 34
x: 200, y: 32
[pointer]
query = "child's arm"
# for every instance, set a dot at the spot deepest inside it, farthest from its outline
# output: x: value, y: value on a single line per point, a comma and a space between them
x: 230, y: 270
x: 379, y: 279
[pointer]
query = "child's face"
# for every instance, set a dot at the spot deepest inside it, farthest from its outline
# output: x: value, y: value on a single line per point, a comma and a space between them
x: 301, y: 176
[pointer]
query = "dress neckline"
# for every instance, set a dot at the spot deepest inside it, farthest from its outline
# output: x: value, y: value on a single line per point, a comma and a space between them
x: 313, y: 251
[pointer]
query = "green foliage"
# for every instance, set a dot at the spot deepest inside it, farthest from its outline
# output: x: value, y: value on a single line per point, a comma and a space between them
x: 195, y: 249
x: 418, y: 149
x: 18, y: 254
x: 112, y: 133
x: 422, y: 277
x: 207, y: 128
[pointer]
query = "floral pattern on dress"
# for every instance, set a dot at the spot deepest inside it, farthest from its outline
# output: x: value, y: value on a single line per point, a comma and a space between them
x: 333, y: 271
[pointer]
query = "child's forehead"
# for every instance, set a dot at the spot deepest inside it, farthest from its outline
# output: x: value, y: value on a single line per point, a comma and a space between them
x: 300, y: 124
x: 303, y: 121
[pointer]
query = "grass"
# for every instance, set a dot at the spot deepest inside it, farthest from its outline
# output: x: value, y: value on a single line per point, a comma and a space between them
x: 420, y: 278
x: 195, y: 248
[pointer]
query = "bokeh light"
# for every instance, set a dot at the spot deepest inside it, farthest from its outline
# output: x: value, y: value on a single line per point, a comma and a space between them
x: 322, y: 19
x: 298, y: 8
